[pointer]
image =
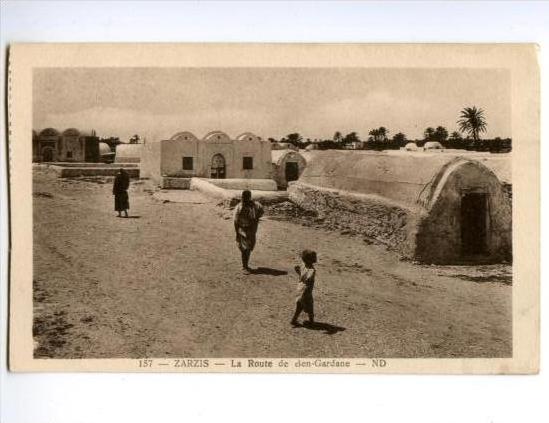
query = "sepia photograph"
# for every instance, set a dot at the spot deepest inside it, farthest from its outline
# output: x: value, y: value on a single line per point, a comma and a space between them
x: 271, y: 213
x: 185, y: 215
x: 210, y: 208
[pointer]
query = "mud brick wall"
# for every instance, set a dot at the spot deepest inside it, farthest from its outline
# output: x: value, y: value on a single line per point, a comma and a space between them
x: 176, y: 183
x: 377, y: 220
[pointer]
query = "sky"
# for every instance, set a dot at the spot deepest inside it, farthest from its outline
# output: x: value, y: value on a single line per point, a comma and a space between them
x: 270, y: 102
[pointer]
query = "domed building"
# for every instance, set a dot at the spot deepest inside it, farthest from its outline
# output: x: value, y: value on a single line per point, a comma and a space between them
x: 216, y: 155
x: 71, y: 145
x: 432, y: 145
x: 436, y: 208
x: 411, y: 146
x: 288, y: 165
x: 106, y: 155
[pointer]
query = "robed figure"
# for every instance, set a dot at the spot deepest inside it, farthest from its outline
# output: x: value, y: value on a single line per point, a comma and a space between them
x: 246, y: 220
x: 120, y: 192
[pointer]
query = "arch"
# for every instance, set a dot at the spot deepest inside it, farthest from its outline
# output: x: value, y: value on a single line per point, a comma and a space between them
x: 216, y: 136
x: 248, y: 136
x: 429, y: 196
x: 71, y: 132
x: 288, y: 165
x: 467, y: 216
x: 218, y: 167
x: 49, y: 132
x: 184, y: 136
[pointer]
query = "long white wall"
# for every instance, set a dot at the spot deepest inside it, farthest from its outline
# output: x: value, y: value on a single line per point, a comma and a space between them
x: 202, y: 151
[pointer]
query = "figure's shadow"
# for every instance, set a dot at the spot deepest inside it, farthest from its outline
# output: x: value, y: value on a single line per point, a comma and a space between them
x: 326, y: 327
x: 133, y: 217
x: 268, y: 271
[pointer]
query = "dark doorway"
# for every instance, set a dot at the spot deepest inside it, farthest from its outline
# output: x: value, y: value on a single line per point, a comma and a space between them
x: 47, y: 155
x: 473, y: 223
x: 218, y: 167
x: 91, y: 149
x: 292, y: 171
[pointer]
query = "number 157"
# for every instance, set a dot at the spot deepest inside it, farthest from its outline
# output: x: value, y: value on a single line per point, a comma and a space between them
x: 145, y: 363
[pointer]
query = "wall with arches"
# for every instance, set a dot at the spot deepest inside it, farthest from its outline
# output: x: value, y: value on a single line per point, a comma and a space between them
x: 214, y: 155
x: 71, y: 145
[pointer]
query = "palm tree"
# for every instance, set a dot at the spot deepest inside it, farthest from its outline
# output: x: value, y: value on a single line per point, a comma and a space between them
x: 382, y: 131
x: 338, y: 137
x: 429, y: 133
x: 455, y: 136
x: 472, y: 122
x: 441, y: 134
x: 399, y: 138
x: 375, y: 134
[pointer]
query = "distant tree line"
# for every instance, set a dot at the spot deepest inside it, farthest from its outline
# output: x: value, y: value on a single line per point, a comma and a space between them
x: 471, y: 123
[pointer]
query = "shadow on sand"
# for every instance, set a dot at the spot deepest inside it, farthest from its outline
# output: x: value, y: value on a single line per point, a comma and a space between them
x: 130, y: 217
x: 326, y: 327
x: 268, y: 271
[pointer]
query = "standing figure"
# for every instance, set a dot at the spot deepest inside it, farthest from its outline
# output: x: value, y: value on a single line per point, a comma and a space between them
x: 304, y: 300
x: 120, y: 192
x: 246, y: 221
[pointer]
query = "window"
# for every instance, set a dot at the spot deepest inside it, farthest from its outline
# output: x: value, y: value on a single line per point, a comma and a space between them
x: 69, y: 154
x: 187, y: 163
x: 247, y: 163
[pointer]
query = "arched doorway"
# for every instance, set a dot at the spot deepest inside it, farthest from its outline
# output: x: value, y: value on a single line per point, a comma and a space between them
x: 292, y: 171
x: 47, y: 155
x: 474, y: 219
x: 218, y: 167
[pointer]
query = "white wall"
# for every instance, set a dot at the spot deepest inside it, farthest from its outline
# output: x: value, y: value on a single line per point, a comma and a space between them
x: 150, y: 161
x: 202, y: 151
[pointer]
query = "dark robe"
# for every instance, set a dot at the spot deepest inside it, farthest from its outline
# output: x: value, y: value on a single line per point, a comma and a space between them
x: 120, y: 192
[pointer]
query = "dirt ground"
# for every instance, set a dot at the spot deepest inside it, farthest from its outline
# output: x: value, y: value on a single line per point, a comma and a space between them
x: 167, y: 283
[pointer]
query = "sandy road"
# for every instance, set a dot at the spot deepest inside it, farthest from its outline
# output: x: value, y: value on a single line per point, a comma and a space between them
x: 168, y: 283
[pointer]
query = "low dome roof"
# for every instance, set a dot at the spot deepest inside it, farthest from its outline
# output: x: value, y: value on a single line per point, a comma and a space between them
x: 104, y: 149
x: 184, y: 136
x: 410, y: 146
x: 248, y: 136
x: 49, y: 132
x: 216, y: 136
x: 432, y: 145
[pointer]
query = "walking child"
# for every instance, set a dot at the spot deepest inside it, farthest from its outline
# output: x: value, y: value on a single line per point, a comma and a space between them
x: 304, y: 300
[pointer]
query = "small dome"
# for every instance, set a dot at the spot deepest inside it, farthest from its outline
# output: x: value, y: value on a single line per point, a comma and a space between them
x: 248, y: 136
x: 411, y: 146
x: 71, y: 132
x: 216, y: 136
x: 49, y: 132
x: 104, y: 149
x: 432, y: 145
x: 184, y: 136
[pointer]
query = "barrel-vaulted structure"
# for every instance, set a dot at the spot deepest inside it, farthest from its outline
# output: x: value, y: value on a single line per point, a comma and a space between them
x: 288, y: 165
x: 215, y: 155
x: 128, y: 153
x: 433, y: 207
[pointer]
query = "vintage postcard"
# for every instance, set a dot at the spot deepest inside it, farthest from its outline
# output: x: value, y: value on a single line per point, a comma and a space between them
x: 345, y: 208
